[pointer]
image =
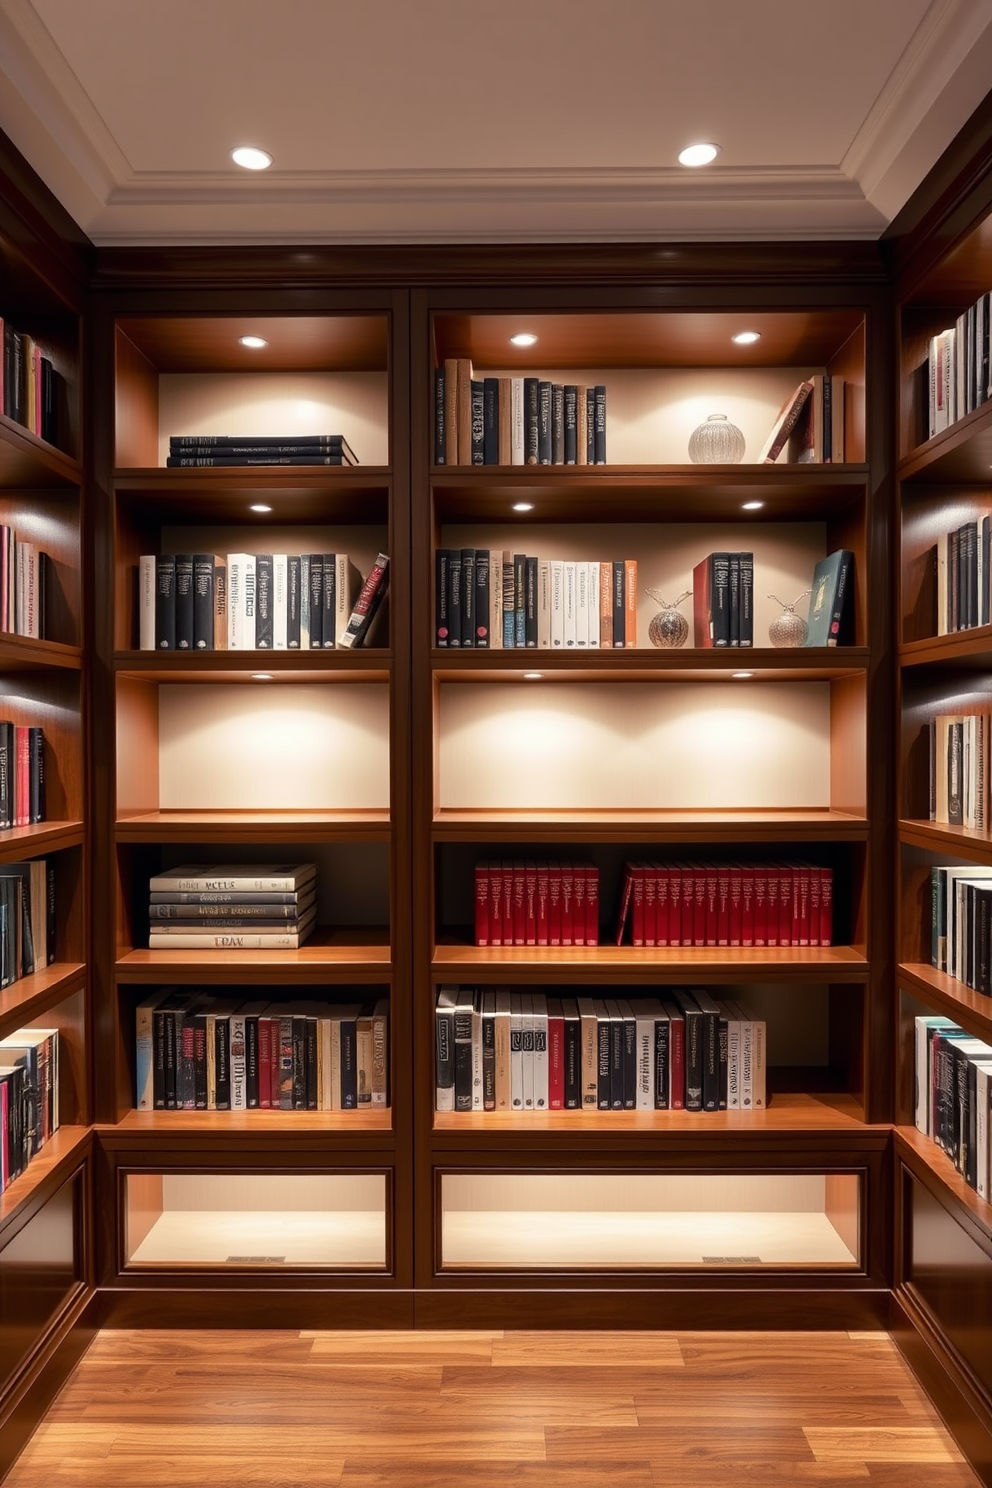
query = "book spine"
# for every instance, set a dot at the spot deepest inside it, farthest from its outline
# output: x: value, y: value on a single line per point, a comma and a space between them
x: 367, y: 603
x: 478, y: 423
x: 146, y: 603
x: 439, y: 449
x: 203, y: 601
x: 599, y: 425
x: 544, y: 415
x: 490, y: 421
x: 165, y: 602
x: 532, y: 398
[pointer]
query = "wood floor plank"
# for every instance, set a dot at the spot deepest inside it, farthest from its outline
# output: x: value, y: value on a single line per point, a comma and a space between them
x: 679, y: 1442
x: 806, y: 1409
x: 369, y: 1351
x: 881, y: 1444
x: 383, y: 1472
x: 576, y: 1350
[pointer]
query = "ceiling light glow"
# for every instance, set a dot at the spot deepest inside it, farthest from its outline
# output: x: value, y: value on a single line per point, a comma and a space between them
x: 261, y: 676
x: 698, y: 154
x: 746, y: 338
x: 251, y: 158
x: 741, y: 676
x: 523, y: 506
x: 533, y: 676
x: 259, y: 506
x: 752, y: 506
x: 523, y: 338
x: 254, y: 343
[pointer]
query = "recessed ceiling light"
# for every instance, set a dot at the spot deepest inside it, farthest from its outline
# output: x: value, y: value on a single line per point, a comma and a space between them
x: 259, y: 506
x: 261, y: 676
x: 741, y: 676
x: 746, y: 338
x: 752, y: 506
x: 254, y: 343
x: 250, y: 158
x: 523, y: 506
x: 533, y: 676
x: 698, y: 154
x: 523, y: 338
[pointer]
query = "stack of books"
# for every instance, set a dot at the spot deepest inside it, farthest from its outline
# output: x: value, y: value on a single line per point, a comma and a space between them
x: 962, y: 577
x: 961, y: 924
x: 29, y: 1097
x: 23, y: 581
x: 32, y: 393
x: 723, y: 600
x: 196, y: 1052
x: 959, y: 769
x: 726, y: 904
x: 957, y: 367
x: 953, y: 1094
x: 515, y: 420
x: 545, y: 903
x: 27, y: 919
x: 490, y: 599
x: 22, y: 775
x: 524, y: 1052
x: 200, y: 450
x: 256, y: 601
x: 235, y: 906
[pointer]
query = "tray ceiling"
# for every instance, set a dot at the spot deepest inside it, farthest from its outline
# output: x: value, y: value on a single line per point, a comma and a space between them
x: 455, y: 121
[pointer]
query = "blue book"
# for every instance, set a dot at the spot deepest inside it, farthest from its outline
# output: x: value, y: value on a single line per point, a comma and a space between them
x: 831, y: 602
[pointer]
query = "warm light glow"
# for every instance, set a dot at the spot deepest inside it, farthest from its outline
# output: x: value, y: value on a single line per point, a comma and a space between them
x: 752, y: 506
x: 254, y: 343
x: 523, y: 506
x: 259, y: 506
x: 261, y: 676
x: 741, y: 676
x: 250, y: 158
x: 698, y: 154
x: 523, y: 338
x: 533, y: 676
x: 746, y: 338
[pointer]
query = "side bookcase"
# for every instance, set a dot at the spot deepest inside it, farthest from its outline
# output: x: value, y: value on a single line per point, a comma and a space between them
x: 753, y: 755
x: 256, y: 756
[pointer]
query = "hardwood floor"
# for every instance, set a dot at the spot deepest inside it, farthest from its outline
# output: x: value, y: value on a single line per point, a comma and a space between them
x: 490, y: 1410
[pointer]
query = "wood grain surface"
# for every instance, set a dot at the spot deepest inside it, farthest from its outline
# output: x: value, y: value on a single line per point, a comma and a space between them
x: 495, y: 1410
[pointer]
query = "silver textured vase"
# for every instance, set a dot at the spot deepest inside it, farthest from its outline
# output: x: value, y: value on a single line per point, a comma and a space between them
x: 788, y: 629
x: 716, y: 442
x: 668, y: 629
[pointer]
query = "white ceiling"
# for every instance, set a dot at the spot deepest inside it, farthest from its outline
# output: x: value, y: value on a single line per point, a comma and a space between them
x: 487, y: 120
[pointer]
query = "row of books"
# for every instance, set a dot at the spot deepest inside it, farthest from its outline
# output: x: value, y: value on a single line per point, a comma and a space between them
x: 959, y: 379
x: 27, y: 918
x: 23, y: 581
x: 199, y: 450
x: 547, y: 903
x: 961, y: 577
x: 489, y: 599
x: 256, y: 601
x: 814, y: 432
x: 961, y: 924
x: 22, y: 774
x: 959, y: 769
x: 953, y: 1092
x: 515, y: 420
x: 723, y: 600
x: 32, y: 393
x: 232, y: 906
x: 524, y: 1052
x: 29, y: 1097
x: 726, y: 904
x: 196, y: 1052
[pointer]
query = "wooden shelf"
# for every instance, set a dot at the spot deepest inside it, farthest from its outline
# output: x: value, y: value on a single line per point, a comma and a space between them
x: 965, y: 648
x: 371, y: 665
x: 58, y: 1152
x: 29, y: 461
x: 50, y: 836
x: 295, y: 343
x: 923, y: 1152
x: 24, y: 1003
x: 815, y: 664
x: 958, y: 455
x: 949, y: 996
x: 651, y: 964
x: 645, y: 493
x: 303, y: 493
x: 23, y: 653
x: 799, y: 825
x: 255, y: 826
x: 339, y: 955
x: 377, y: 1122
x: 941, y: 837
x: 794, y: 1112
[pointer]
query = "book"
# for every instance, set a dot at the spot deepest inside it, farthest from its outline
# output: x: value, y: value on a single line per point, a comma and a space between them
x: 234, y: 878
x: 831, y: 605
x: 367, y: 604
x: 784, y: 423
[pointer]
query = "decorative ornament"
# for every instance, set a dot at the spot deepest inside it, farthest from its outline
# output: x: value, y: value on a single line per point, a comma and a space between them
x: 669, y: 629
x: 716, y: 442
x: 788, y: 629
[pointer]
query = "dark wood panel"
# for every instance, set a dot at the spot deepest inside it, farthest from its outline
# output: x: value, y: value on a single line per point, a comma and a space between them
x: 40, y: 1271
x: 296, y: 343
x: 952, y: 1276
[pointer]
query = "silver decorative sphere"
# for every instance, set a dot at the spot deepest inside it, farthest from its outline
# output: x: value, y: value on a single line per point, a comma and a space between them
x: 668, y: 629
x: 788, y: 629
x: 716, y: 442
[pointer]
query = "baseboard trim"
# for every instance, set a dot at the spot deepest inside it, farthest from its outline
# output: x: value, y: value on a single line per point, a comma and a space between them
x: 32, y: 1394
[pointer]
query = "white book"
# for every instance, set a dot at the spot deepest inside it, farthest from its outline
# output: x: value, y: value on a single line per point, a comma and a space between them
x: 646, y: 1015
x: 496, y: 599
x: 146, y: 602
x: 477, y: 1102
x: 594, y: 603
x: 582, y: 606
x: 942, y: 605
x: 527, y: 1062
x: 280, y: 601
x: 759, y: 1059
x: 569, y: 602
x: 249, y: 602
x: 589, y: 1041
x: 234, y: 878
x: 304, y: 601
x: 539, y: 1016
x: 516, y: 421
x: 959, y: 408
x: 503, y: 1093
x: 144, y: 1044
x: 239, y: 1063
x: 733, y: 1013
x: 544, y: 604
x: 211, y: 1040
x: 983, y: 1085
x: 516, y: 1052
x: 236, y: 601
x: 747, y: 1059
x: 345, y: 593
x: 557, y: 604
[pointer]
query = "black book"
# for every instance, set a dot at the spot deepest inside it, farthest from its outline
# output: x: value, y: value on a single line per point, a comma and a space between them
x: 723, y: 1049
x: 557, y: 424
x: 199, y: 1026
x: 619, y: 604
x: 349, y: 1063
x: 983, y: 940
x: 293, y: 602
x: 629, y: 1042
x: 165, y: 602
x: 264, y: 600
x: 49, y: 402
x: 490, y: 421
x: 532, y: 399
x: 968, y: 559
x: 482, y: 599
x: 530, y: 603
x: 720, y: 598
x: 572, y: 1054
x: 544, y: 399
x: 184, y: 462
x: 478, y: 423
x: 310, y: 1062
x: 203, y: 601
x: 444, y: 1050
x: 603, y: 1055
x: 747, y: 599
x: 6, y: 774
x: 570, y: 421
x: 222, y: 1063
x: 694, y: 1049
x: 598, y: 425
x: 463, y: 1054
x: 616, y: 1054
x: 662, y: 1063
x: 438, y: 415
x: 985, y: 598
x: 710, y: 1048
x: 441, y: 597
x: 590, y: 426
x: 299, y: 1023
x: 36, y: 775
x: 251, y: 1062
x: 316, y: 601
x: 734, y: 597
x: 468, y: 598
x: 179, y: 442
x: 329, y: 622
x: 454, y: 597
x: 184, y: 601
